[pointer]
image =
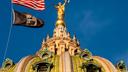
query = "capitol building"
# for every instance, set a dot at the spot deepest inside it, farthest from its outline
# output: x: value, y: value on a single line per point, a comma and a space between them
x: 62, y: 53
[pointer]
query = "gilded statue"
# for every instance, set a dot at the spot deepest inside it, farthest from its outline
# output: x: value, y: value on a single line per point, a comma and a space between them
x: 61, y: 9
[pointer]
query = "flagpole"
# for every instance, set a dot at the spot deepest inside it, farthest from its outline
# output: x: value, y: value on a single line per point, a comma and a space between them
x: 9, y: 34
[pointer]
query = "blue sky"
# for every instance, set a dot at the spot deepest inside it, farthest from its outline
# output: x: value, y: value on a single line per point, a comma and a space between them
x: 100, y: 25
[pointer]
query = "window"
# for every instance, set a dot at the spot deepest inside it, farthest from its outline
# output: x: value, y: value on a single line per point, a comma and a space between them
x: 92, y: 68
x: 43, y: 67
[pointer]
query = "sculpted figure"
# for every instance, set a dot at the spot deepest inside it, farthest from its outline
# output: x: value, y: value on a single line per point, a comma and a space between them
x: 60, y: 10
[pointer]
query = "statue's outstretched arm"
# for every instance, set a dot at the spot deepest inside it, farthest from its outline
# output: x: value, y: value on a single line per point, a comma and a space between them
x: 65, y: 1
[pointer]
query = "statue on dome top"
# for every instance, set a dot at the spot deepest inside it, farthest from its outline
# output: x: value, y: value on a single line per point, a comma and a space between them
x: 61, y: 9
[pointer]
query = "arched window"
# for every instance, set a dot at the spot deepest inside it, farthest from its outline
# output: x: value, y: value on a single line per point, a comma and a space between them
x: 43, y: 67
x: 91, y: 68
x: 66, y: 49
x: 56, y: 50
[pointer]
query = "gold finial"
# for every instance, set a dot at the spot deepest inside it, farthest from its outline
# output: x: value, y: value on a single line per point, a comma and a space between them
x: 60, y: 11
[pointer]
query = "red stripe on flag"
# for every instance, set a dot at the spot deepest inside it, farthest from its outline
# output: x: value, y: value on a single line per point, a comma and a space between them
x: 34, y: 4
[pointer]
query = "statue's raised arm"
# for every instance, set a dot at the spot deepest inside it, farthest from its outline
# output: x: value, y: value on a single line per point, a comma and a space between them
x: 65, y: 1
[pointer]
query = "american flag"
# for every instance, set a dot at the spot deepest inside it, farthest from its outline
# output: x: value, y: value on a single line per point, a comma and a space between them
x: 33, y: 4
